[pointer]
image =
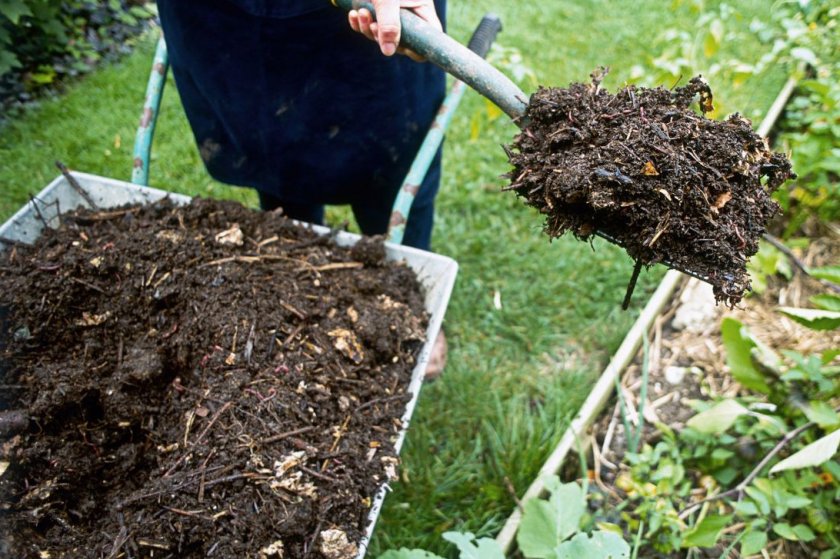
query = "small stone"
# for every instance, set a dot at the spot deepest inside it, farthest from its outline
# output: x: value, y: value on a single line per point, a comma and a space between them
x: 675, y: 375
x: 22, y: 334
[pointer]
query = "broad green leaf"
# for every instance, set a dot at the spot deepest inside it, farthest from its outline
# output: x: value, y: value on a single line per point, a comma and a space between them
x: 796, y: 501
x: 569, y: 504
x: 404, y: 553
x: 746, y: 508
x: 739, y: 346
x: 546, y: 523
x: 815, y: 85
x: 827, y: 301
x: 804, y: 533
x: 718, y: 418
x: 816, y: 319
x: 820, y: 519
x: 707, y: 532
x: 786, y: 531
x: 470, y: 548
x: 14, y: 10
x: 822, y: 414
x: 829, y: 355
x: 828, y: 273
x: 601, y: 545
x: 753, y: 542
x: 814, y: 454
x: 537, y: 535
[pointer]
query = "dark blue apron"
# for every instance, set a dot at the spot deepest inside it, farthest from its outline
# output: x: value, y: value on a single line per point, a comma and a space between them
x: 284, y: 97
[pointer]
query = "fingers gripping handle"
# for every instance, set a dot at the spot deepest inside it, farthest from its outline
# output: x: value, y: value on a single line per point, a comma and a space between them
x: 456, y: 59
x: 485, y: 35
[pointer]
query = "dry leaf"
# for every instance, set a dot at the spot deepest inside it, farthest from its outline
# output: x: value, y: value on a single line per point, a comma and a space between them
x: 353, y: 314
x: 170, y: 235
x: 232, y: 236
x: 722, y: 199
x: 272, y: 551
x: 650, y: 170
x: 335, y: 544
x: 89, y: 319
x: 3, y: 467
x: 665, y: 193
x: 346, y: 342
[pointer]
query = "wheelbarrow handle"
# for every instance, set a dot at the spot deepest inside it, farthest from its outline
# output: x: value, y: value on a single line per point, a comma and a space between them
x: 485, y: 35
x: 454, y: 58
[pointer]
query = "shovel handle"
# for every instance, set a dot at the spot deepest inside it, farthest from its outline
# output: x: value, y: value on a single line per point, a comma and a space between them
x: 454, y: 58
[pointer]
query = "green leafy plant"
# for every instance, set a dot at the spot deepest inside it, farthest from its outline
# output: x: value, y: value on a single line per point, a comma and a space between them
x: 550, y: 529
x: 766, y: 461
x: 803, y: 35
x: 43, y: 41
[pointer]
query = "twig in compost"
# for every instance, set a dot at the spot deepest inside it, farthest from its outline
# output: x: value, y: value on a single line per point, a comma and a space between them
x: 281, y: 436
x: 213, y: 420
x: 102, y: 216
x: 378, y: 401
x: 33, y: 201
x: 271, y: 345
x: 119, y: 541
x: 308, y: 549
x: 339, y: 266
x: 293, y: 310
x: 318, y: 475
x: 88, y: 285
x: 75, y: 184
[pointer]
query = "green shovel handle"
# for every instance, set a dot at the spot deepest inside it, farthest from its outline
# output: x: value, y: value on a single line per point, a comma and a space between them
x: 454, y: 58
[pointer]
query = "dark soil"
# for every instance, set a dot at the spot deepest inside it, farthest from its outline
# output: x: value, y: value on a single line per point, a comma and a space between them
x: 666, y: 183
x: 198, y: 381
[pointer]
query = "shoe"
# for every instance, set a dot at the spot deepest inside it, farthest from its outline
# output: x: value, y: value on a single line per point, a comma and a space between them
x: 437, y: 360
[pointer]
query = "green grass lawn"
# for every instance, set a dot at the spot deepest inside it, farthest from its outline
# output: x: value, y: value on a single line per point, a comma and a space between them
x: 516, y: 375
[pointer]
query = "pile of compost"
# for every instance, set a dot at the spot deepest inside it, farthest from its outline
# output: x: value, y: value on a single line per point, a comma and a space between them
x: 198, y: 381
x: 644, y: 169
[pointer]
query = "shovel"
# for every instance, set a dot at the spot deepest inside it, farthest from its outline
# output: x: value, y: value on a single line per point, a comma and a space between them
x: 454, y: 58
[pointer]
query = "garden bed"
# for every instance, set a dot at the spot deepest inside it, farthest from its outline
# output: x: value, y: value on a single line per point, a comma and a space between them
x: 693, y: 463
x: 202, y: 380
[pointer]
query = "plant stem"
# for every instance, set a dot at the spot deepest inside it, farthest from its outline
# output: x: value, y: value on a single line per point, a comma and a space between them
x: 638, y: 542
x: 800, y: 265
x: 739, y: 489
x: 642, y: 393
x: 622, y: 406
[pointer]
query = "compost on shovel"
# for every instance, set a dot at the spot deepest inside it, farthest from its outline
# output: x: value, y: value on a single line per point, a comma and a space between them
x: 644, y: 169
x: 198, y: 381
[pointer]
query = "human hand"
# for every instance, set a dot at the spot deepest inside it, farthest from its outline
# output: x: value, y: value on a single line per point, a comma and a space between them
x: 386, y: 29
